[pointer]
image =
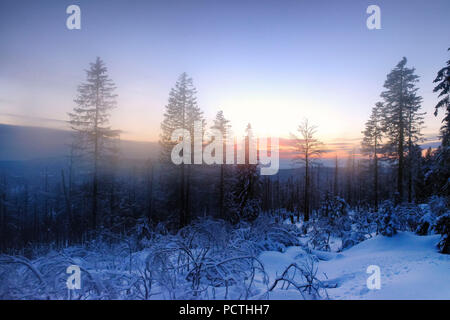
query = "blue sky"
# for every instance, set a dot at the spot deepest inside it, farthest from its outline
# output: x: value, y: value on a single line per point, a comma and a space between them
x: 270, y: 63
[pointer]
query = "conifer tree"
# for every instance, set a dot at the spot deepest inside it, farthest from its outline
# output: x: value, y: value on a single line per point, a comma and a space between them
x: 371, y: 144
x: 245, y: 200
x: 222, y: 124
x: 415, y: 123
x: 181, y: 113
x: 90, y: 119
x: 441, y: 172
x: 443, y: 87
x: 401, y: 103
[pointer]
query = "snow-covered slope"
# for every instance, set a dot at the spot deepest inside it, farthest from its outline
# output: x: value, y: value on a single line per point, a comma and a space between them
x: 411, y: 268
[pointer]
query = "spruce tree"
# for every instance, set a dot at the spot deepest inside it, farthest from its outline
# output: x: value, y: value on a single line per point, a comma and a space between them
x: 443, y: 87
x: 441, y: 171
x: 415, y: 123
x: 181, y: 113
x: 371, y: 144
x: 245, y: 200
x: 222, y: 124
x: 90, y: 120
x: 401, y: 103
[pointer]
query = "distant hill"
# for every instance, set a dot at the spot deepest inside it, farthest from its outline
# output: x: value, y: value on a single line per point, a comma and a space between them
x: 22, y: 143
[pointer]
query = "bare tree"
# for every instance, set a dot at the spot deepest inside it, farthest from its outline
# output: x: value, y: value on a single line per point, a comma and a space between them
x: 308, y: 149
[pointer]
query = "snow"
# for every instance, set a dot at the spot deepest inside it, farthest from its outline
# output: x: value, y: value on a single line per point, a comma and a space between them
x: 274, y: 261
x: 411, y: 268
x: 264, y: 261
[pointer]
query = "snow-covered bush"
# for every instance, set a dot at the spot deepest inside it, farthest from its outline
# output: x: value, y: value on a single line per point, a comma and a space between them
x: 438, y: 205
x: 364, y: 222
x: 265, y: 234
x: 387, y: 219
x: 214, y: 258
x: 319, y: 235
x: 351, y: 239
x: 303, y: 277
x: 442, y: 227
x: 209, y: 259
x: 332, y: 219
x: 408, y: 216
x: 425, y: 224
x: 250, y: 211
x: 203, y: 259
x: 103, y: 276
x: 431, y: 211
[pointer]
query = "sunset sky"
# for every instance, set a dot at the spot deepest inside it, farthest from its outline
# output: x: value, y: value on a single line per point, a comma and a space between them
x: 270, y: 63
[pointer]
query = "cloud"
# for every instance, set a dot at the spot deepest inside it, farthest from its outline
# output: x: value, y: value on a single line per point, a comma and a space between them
x: 32, y: 121
x: 5, y: 101
x: 33, y: 118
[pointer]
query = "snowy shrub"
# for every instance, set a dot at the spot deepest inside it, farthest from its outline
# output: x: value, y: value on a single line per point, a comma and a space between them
x: 264, y: 234
x: 212, y: 258
x: 425, y: 224
x: 319, y: 235
x: 247, y: 211
x: 333, y: 219
x: 408, y: 216
x: 338, y: 216
x: 45, y: 277
x: 209, y: 259
x: 303, y: 277
x: 364, y: 222
x: 437, y: 205
x: 442, y: 227
x: 387, y: 219
x: 334, y: 206
x: 351, y: 239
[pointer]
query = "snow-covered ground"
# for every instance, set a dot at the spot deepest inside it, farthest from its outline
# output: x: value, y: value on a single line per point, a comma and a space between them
x: 411, y: 268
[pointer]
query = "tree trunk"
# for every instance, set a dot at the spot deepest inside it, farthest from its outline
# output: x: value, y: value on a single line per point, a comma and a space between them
x: 375, y: 186
x: 222, y: 187
x: 187, y: 210
x: 335, y: 191
x: 400, y: 147
x: 410, y: 158
x: 68, y: 205
x: 96, y: 155
x: 95, y: 192
x: 150, y: 194
x: 182, y: 199
x: 306, y: 190
x: 3, y: 221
